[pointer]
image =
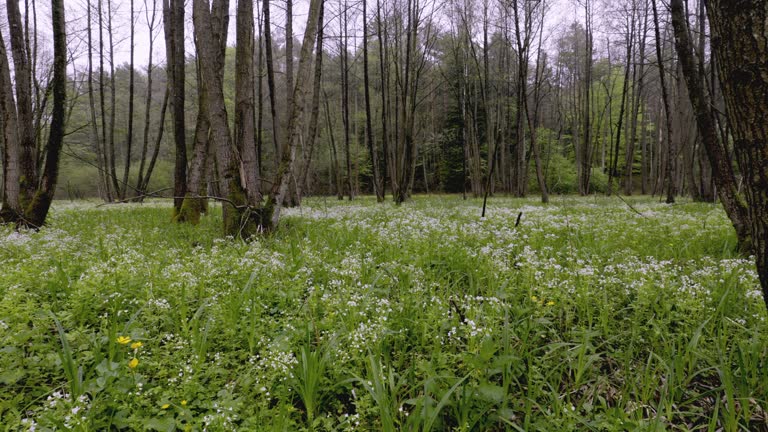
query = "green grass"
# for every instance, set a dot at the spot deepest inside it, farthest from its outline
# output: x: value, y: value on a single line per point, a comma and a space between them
x: 355, y: 316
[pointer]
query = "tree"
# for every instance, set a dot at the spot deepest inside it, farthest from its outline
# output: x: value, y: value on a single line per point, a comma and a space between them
x: 739, y: 32
x: 667, y: 112
x: 288, y: 153
x: 32, y: 212
x: 378, y: 182
x: 735, y: 206
x: 173, y: 21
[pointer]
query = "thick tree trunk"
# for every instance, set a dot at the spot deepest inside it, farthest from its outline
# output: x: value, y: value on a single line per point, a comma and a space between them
x: 192, y: 207
x: 244, y: 106
x: 11, y: 207
x: 37, y: 211
x: 23, y: 78
x: 210, y: 32
x: 740, y: 45
x: 727, y: 187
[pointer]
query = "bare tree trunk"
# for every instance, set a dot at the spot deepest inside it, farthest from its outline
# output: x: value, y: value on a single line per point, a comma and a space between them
x: 192, y: 207
x: 586, y: 162
x: 11, y: 207
x: 727, y: 188
x: 671, y: 152
x: 739, y: 35
x: 150, y: 15
x: 23, y: 78
x: 131, y: 87
x: 614, y: 170
x: 287, y: 162
x: 244, y: 74
x: 378, y: 184
x: 158, y: 139
x: 315, y: 114
x: 95, y: 141
x: 344, y: 54
x: 173, y: 20
x: 108, y: 174
x: 271, y: 82
x: 112, y: 105
x: 37, y: 211
x: 638, y: 99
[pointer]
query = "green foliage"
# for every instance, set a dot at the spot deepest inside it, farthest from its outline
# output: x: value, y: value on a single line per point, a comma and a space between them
x: 586, y: 316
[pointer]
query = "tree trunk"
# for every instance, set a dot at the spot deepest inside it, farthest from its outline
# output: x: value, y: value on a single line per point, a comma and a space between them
x: 37, y: 211
x: 23, y: 79
x: 131, y: 87
x: 244, y: 109
x: 286, y: 167
x: 140, y: 190
x: 271, y: 81
x: 173, y: 20
x: 11, y: 207
x: 315, y: 114
x: 739, y: 42
x: 727, y: 187
x: 378, y: 185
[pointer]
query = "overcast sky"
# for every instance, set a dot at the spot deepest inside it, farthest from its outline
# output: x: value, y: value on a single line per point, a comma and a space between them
x: 561, y: 13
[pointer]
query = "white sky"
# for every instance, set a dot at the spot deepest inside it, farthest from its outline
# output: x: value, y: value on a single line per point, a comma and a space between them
x: 561, y: 13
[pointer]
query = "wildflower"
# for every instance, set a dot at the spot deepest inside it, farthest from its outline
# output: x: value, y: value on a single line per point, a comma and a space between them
x: 123, y: 340
x: 133, y: 363
x: 184, y: 402
x: 165, y: 406
x: 534, y: 298
x: 550, y: 303
x: 136, y: 345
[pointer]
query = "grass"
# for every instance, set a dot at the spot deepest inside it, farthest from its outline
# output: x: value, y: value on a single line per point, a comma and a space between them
x: 588, y: 316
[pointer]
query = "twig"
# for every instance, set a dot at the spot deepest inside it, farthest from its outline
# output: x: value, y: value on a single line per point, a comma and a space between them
x: 630, y: 206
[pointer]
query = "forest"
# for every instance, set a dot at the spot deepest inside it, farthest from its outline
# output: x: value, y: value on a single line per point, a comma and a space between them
x: 332, y: 215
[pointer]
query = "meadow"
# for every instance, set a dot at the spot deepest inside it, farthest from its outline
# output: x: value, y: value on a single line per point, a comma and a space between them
x: 590, y: 315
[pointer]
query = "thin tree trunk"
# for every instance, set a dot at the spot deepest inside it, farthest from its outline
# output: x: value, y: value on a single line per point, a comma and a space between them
x: 131, y: 87
x: 112, y: 105
x: 378, y: 185
x: 173, y: 20
x: 315, y: 114
x: 150, y: 15
x: 271, y: 82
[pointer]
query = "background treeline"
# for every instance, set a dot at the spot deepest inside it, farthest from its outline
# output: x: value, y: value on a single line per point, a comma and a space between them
x: 508, y: 96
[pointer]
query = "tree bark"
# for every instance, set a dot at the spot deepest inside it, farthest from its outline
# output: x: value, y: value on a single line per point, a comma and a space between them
x: 740, y: 45
x: 727, y: 187
x: 173, y: 20
x: 378, y: 185
x: 287, y: 161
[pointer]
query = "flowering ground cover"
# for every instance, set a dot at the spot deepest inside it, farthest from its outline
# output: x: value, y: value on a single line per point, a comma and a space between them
x: 590, y: 315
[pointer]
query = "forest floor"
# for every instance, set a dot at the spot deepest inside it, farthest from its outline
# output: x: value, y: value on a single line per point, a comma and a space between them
x: 590, y: 315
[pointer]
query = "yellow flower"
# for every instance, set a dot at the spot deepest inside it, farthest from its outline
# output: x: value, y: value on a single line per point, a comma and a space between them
x: 534, y: 298
x: 136, y: 345
x: 165, y: 406
x: 184, y: 402
x: 133, y: 363
x: 550, y: 303
x: 123, y: 340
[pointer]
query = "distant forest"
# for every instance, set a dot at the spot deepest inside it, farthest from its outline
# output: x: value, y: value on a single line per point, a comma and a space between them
x: 463, y: 96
